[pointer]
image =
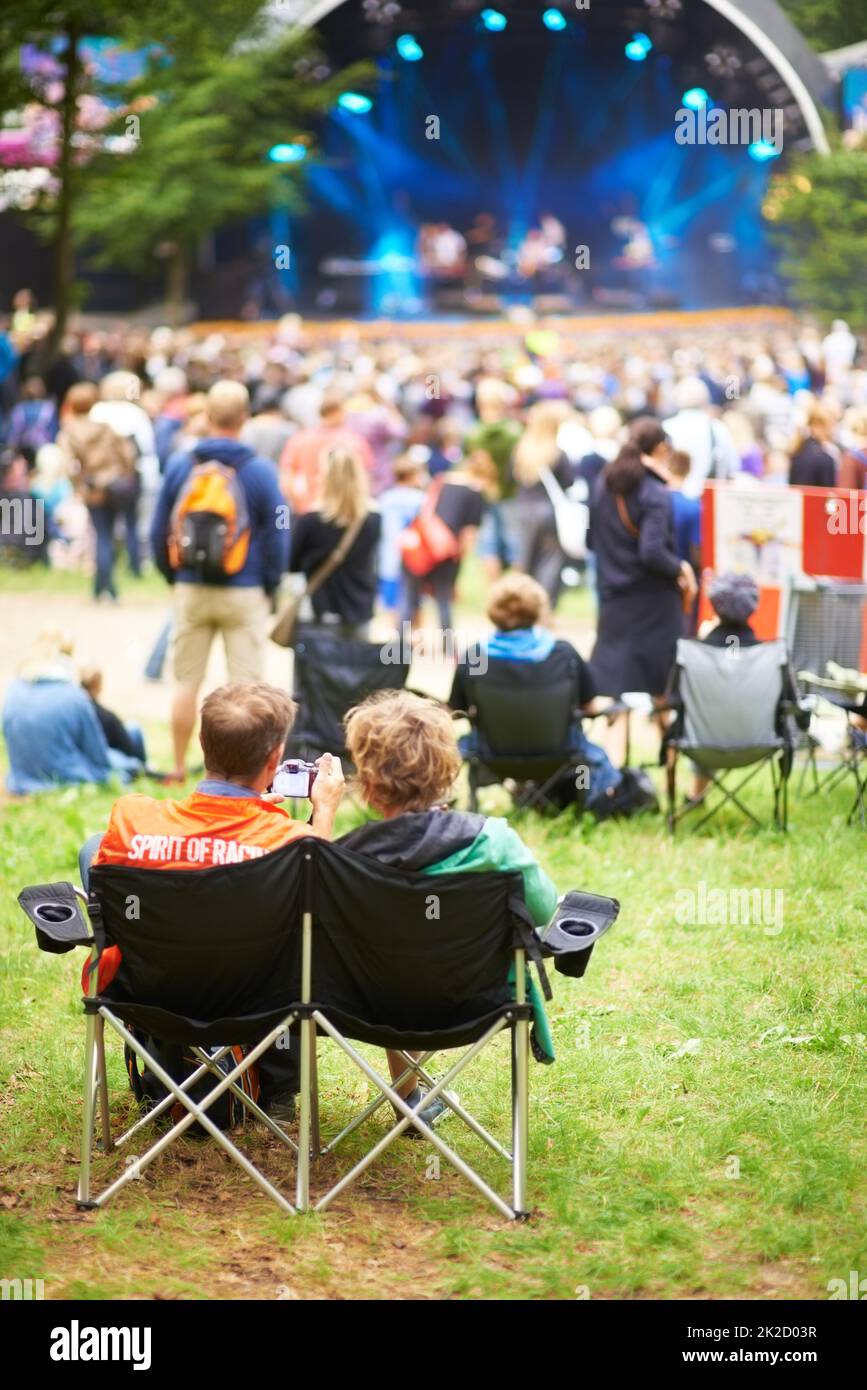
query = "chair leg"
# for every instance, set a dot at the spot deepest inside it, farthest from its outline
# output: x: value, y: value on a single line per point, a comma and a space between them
x: 671, y: 785
x: 102, y: 1079
x: 302, y: 1186
x: 520, y: 1115
x: 315, y: 1136
x: 83, y: 1199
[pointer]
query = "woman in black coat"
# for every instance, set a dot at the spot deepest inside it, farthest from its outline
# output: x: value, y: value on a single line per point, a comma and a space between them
x: 811, y: 464
x: 643, y: 583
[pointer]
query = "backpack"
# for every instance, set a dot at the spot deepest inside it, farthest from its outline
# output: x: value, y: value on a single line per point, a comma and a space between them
x: 227, y: 1112
x: 107, y: 463
x: 209, y: 531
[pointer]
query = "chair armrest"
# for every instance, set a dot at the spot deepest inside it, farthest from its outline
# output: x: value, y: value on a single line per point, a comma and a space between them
x: 55, y: 912
x: 799, y: 710
x: 581, y: 918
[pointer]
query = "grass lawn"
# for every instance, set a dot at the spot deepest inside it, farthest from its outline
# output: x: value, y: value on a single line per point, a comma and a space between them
x: 701, y: 1134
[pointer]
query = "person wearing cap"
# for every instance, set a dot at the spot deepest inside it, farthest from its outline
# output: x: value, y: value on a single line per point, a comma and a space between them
x: 734, y: 599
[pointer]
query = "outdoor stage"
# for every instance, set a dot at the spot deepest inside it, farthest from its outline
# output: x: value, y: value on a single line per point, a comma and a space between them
x: 752, y: 318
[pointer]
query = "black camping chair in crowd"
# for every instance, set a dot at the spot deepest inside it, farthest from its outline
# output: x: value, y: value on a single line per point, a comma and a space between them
x: 731, y: 715
x: 331, y: 675
x: 339, y: 946
x: 521, y: 725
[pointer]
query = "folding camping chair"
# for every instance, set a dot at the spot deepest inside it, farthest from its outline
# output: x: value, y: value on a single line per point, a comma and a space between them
x: 199, y: 969
x: 521, y: 728
x: 339, y: 946
x: 826, y: 622
x: 731, y: 716
x: 330, y: 675
x: 423, y: 963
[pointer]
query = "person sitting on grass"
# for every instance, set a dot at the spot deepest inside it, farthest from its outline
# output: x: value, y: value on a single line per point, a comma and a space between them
x: 229, y: 818
x: 407, y: 760
x: 52, y: 731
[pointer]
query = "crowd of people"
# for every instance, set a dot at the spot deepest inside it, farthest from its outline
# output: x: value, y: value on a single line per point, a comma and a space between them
x: 370, y: 469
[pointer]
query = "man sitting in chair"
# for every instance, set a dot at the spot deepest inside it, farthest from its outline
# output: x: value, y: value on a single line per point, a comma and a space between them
x: 518, y: 607
x: 230, y: 817
x: 407, y: 760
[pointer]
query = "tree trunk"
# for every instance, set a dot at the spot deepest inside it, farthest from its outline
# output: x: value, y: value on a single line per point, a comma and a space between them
x: 64, y: 253
x: 176, y: 286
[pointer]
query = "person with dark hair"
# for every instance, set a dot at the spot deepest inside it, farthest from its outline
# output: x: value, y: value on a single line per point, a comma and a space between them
x: 643, y: 582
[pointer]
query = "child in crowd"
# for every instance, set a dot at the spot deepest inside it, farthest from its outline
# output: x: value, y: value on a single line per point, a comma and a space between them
x: 399, y: 505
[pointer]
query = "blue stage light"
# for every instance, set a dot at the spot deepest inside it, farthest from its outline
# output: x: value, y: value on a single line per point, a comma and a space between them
x: 493, y: 20
x: 695, y: 98
x: 409, y: 48
x: 645, y: 41
x: 635, y: 52
x: 356, y: 103
x: 762, y: 150
x: 287, y: 154
x: 553, y: 19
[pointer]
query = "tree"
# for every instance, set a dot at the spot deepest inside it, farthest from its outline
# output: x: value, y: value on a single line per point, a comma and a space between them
x: 216, y: 92
x: 57, y: 26
x: 828, y: 24
x: 213, y: 100
x: 818, y: 210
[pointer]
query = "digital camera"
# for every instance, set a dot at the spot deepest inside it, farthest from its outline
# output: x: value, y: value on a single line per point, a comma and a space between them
x: 294, y: 778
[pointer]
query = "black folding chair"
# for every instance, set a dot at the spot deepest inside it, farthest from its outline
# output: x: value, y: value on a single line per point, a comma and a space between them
x: 732, y: 716
x: 330, y: 675
x: 522, y: 724
x: 198, y: 968
x: 339, y: 946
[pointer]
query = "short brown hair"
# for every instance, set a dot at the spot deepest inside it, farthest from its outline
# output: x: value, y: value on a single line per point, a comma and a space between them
x: 81, y: 398
x: 404, y: 750
x: 242, y: 725
x: 517, y: 601
x: 679, y: 463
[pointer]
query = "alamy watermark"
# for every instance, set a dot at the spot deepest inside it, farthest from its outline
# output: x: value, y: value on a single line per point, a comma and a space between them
x: 735, y: 907
x: 23, y: 518
x: 435, y: 645
x: 737, y: 125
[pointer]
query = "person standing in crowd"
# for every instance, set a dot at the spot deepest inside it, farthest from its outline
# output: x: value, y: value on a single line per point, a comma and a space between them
x: 235, y: 602
x: 538, y: 458
x: 644, y: 585
x: 302, y: 462
x: 267, y: 432
x: 687, y: 523
x: 398, y: 506
x: 812, y: 462
x: 33, y: 421
x: 343, y: 603
x: 853, y: 464
x: 496, y: 432
x: 456, y: 503
x: 119, y: 406
x: 102, y: 465
x: 707, y: 441
x: 839, y: 350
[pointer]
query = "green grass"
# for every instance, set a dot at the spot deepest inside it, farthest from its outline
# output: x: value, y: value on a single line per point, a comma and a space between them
x: 731, y: 1167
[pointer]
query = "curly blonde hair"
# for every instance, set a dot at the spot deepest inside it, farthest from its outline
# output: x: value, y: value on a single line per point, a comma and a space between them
x: 517, y: 601
x: 404, y: 750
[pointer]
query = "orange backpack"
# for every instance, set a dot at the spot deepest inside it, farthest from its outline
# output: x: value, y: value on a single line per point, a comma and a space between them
x: 209, y: 531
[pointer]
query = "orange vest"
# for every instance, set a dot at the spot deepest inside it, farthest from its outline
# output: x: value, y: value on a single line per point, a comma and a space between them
x: 199, y: 833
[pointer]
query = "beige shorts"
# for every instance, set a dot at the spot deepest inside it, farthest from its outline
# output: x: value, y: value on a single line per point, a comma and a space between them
x: 203, y: 610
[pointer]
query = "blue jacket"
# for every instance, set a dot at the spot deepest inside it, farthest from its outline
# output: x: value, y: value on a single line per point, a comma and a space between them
x: 52, y: 736
x: 268, y: 557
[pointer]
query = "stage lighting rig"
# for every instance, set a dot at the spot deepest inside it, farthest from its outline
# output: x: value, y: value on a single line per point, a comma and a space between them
x: 665, y: 9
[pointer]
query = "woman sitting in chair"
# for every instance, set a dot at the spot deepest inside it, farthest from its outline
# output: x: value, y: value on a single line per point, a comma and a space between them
x: 518, y: 607
x: 407, y: 760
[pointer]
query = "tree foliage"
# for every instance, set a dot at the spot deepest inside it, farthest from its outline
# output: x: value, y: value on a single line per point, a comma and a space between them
x: 818, y: 211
